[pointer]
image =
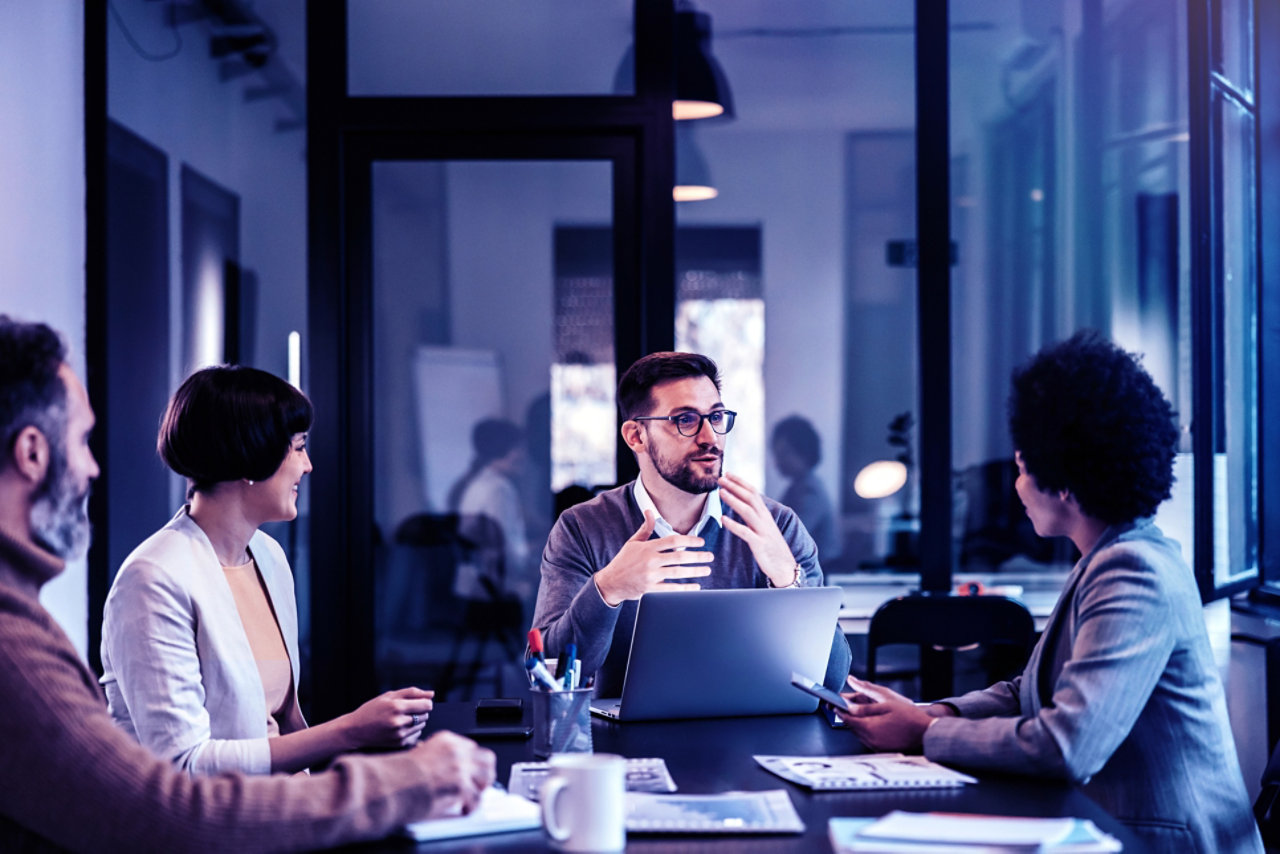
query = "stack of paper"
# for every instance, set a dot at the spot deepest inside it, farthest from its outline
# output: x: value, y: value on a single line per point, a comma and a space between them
x: 900, y: 832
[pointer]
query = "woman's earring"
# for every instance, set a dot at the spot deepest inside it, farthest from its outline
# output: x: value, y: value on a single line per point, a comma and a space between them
x: 251, y: 483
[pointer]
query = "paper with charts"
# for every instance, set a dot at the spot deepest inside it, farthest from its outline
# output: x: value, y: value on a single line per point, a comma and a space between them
x: 869, y: 771
x: 643, y: 775
x: 727, y: 812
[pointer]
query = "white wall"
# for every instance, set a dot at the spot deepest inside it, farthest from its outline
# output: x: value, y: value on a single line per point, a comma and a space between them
x: 42, y: 249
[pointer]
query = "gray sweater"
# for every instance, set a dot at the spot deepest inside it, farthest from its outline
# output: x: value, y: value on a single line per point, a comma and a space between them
x: 1121, y: 695
x: 588, y: 536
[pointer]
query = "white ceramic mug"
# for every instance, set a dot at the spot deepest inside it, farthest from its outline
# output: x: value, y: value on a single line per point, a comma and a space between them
x: 584, y: 802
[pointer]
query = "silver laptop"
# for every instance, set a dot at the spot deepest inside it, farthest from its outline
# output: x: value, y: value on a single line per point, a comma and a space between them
x: 719, y: 653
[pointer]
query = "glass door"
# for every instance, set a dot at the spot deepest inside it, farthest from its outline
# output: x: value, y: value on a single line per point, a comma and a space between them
x: 491, y: 390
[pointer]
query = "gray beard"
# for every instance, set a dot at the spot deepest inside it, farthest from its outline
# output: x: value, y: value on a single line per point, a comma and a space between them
x: 60, y: 517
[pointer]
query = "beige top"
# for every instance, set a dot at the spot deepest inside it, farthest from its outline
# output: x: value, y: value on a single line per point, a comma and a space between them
x: 264, y: 639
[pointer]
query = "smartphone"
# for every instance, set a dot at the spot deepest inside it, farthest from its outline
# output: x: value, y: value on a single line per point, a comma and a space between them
x: 817, y: 689
x: 513, y: 731
x: 499, y: 710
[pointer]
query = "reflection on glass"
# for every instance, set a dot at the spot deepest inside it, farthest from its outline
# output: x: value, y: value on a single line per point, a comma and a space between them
x: 1236, y: 505
x: 1235, y: 59
x: 585, y: 427
x: 817, y: 163
x: 731, y: 333
x: 1047, y: 93
x: 466, y: 309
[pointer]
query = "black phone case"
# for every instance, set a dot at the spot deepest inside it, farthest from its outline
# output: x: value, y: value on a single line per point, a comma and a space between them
x: 499, y: 710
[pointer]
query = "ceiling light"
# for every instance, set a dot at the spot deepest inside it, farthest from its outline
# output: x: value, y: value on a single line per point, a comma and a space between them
x: 693, y: 177
x: 702, y: 90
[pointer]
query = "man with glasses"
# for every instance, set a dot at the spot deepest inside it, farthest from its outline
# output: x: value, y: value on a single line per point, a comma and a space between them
x: 683, y: 524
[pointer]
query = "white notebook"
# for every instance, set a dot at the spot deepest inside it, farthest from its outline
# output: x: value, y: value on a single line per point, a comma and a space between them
x: 869, y: 771
x: 918, y: 833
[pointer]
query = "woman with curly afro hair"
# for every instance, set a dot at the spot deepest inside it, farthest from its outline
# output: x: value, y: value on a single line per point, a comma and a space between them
x: 1121, y: 695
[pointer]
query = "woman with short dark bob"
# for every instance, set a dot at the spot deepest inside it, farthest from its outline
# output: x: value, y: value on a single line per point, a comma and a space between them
x: 1121, y: 694
x: 200, y: 633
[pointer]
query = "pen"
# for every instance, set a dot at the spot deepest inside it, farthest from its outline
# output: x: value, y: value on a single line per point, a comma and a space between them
x: 538, y: 672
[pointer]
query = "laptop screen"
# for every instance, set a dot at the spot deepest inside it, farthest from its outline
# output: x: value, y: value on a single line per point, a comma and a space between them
x: 714, y: 653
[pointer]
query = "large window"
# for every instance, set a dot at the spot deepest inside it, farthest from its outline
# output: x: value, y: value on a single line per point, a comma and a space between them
x: 1104, y: 176
x: 1232, y: 283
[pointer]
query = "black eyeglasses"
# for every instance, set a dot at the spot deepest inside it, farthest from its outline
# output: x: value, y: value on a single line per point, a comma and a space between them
x: 690, y: 423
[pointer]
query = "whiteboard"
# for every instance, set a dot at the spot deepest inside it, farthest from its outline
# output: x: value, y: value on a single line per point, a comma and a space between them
x: 456, y: 388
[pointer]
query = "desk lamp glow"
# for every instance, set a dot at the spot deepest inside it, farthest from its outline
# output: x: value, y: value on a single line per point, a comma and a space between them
x: 880, y: 479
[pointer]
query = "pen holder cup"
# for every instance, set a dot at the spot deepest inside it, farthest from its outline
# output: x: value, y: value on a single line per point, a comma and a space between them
x: 561, y: 721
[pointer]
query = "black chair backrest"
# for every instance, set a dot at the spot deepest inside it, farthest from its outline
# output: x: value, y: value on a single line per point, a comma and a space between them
x: 948, y: 621
x: 1266, y: 808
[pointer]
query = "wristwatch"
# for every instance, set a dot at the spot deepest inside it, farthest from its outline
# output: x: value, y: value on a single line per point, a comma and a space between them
x: 795, y: 578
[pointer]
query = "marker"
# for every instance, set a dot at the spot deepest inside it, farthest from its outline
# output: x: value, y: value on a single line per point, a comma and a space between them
x: 567, y: 678
x: 538, y: 672
x: 567, y: 656
x: 535, y: 644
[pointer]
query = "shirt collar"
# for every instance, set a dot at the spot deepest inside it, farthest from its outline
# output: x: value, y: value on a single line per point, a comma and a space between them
x: 711, y: 509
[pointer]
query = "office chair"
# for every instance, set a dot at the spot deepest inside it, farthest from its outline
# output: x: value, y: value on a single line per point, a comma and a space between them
x: 444, y: 545
x: 1266, y: 807
x: 946, y: 622
x: 490, y: 612
x: 432, y: 547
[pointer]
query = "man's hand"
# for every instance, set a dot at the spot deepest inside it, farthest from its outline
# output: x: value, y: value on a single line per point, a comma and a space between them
x: 643, y: 565
x: 458, y: 771
x: 757, y: 529
x: 884, y: 720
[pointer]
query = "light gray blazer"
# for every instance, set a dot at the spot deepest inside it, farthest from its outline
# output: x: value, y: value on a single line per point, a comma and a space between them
x: 178, y: 670
x: 1122, y: 696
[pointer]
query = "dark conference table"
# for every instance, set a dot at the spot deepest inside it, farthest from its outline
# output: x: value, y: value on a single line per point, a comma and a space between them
x: 714, y: 755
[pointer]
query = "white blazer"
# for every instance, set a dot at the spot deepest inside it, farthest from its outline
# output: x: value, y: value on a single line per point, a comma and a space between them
x: 178, y: 670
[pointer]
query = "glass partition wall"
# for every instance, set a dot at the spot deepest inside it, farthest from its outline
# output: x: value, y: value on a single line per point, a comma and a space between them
x: 491, y: 383
x: 493, y: 300
x: 525, y: 244
x: 1074, y: 202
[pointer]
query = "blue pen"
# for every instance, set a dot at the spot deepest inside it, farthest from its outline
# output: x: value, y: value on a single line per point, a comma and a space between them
x: 538, y: 672
x: 570, y: 655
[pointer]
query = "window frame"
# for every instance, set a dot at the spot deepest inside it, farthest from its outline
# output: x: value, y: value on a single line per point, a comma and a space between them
x: 345, y: 135
x: 1267, y: 89
x: 1205, y: 84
